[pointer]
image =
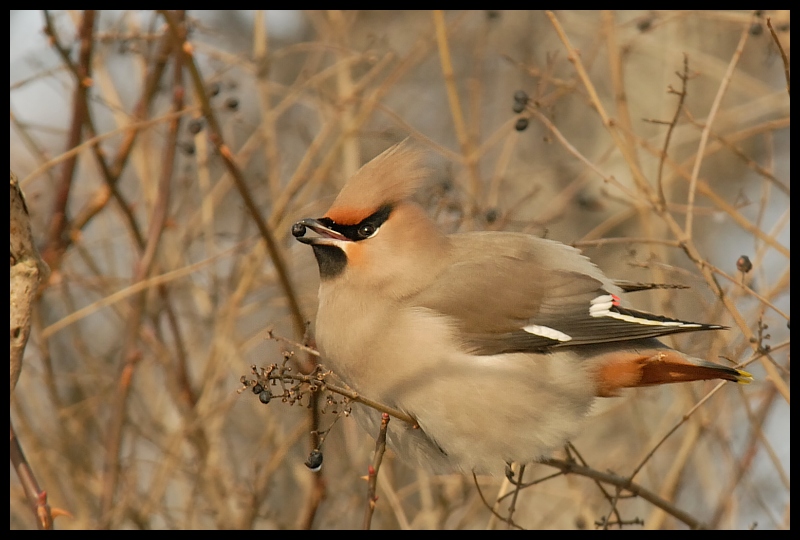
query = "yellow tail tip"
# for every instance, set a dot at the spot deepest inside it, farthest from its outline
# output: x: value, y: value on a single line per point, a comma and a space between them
x: 743, y: 377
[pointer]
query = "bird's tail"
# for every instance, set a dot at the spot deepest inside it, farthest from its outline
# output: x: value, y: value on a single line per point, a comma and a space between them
x: 630, y: 369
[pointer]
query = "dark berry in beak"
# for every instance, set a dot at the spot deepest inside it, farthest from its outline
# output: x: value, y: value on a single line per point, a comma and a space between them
x: 298, y: 230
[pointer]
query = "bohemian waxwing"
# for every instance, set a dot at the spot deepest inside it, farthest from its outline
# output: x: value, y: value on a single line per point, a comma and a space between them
x: 497, y: 343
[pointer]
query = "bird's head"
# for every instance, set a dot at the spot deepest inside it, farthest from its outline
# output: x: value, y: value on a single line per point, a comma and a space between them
x: 374, y: 236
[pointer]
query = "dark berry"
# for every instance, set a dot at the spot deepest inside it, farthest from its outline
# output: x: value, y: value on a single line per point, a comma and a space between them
x: 743, y: 264
x: 298, y: 230
x: 521, y: 97
x: 314, y: 461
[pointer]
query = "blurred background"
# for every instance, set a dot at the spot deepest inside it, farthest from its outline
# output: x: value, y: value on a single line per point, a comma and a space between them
x: 657, y: 142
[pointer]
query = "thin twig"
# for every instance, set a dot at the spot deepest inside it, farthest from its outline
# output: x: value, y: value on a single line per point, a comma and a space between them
x: 88, y: 143
x: 314, y: 379
x: 372, y: 477
x: 304, y: 348
x: 575, y: 58
x: 124, y: 293
x: 722, y: 204
x: 617, y: 72
x: 684, y: 77
x: 467, y: 147
x: 783, y: 54
x: 725, y: 143
x: 57, y: 238
x: 491, y: 509
x: 712, y: 114
x: 625, y: 240
x: 574, y: 151
x: 517, y: 487
x: 112, y: 173
x: 570, y: 467
x: 748, y: 454
x: 683, y: 419
x: 612, y: 499
x: 37, y: 498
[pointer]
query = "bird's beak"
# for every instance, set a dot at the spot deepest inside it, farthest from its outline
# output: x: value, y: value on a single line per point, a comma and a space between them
x: 326, y: 234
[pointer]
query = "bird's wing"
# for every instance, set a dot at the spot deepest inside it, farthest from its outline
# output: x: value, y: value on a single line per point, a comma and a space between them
x: 510, y: 292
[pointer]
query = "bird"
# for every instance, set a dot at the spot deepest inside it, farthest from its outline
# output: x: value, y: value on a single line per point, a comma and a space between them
x: 497, y: 344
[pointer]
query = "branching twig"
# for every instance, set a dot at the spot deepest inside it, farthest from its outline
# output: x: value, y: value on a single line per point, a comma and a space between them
x: 57, y: 238
x: 575, y: 58
x: 317, y: 382
x: 570, y: 467
x: 684, y: 77
x: 490, y: 507
x: 215, y: 134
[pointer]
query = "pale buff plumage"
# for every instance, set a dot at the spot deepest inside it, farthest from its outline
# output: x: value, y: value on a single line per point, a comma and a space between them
x: 496, y: 343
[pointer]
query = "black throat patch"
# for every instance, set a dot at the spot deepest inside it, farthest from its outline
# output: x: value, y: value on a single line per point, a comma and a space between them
x: 331, y: 260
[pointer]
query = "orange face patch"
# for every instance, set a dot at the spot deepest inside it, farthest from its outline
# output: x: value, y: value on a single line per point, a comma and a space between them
x: 355, y: 254
x: 347, y: 215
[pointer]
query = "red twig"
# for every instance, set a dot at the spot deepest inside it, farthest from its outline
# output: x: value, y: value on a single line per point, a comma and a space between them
x: 36, y: 497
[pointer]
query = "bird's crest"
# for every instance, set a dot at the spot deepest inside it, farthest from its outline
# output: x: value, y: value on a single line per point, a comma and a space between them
x: 389, y: 178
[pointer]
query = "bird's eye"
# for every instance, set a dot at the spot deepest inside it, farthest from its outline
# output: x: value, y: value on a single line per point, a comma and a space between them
x: 367, y: 230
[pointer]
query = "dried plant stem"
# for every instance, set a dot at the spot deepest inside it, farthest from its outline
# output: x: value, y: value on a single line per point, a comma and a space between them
x: 346, y: 392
